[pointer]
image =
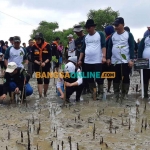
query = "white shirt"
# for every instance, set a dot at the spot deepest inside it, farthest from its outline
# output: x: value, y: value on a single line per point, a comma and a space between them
x: 16, y: 56
x: 146, y: 52
x: 120, y: 40
x: 93, y: 50
x: 71, y: 47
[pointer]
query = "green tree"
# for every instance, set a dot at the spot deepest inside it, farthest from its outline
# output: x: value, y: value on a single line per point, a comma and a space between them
x: 102, y: 17
x: 48, y: 30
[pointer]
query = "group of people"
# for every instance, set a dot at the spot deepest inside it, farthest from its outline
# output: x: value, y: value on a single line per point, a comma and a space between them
x: 93, y: 52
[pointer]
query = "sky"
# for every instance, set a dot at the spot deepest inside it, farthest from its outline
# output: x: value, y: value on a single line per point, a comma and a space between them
x: 67, y: 13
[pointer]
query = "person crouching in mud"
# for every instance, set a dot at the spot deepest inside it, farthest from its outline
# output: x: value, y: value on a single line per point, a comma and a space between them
x: 14, y: 80
x: 72, y: 84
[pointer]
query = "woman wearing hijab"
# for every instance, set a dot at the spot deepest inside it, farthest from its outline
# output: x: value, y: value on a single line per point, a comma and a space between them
x: 41, y: 56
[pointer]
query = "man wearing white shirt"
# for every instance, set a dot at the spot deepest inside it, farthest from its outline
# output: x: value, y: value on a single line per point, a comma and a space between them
x: 121, y: 43
x: 94, y: 50
x: 71, y: 49
x: 16, y: 54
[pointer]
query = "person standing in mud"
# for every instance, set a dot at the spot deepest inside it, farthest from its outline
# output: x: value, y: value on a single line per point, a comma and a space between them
x: 78, y: 44
x: 41, y: 57
x: 109, y: 30
x: 94, y: 50
x: 120, y: 55
x: 29, y: 52
x: 71, y: 47
x: 16, y: 53
x: 55, y: 52
x: 144, y: 52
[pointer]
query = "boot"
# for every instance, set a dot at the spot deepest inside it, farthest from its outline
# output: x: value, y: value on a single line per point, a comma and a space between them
x: 100, y: 92
x: 92, y: 87
x: 12, y: 97
x: 84, y: 91
x: 125, y: 90
x: 145, y: 90
x: 116, y: 91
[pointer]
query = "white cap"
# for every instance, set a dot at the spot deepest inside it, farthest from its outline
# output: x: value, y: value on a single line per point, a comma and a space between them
x: 70, y: 67
x: 70, y: 35
x: 73, y: 59
x: 11, y: 67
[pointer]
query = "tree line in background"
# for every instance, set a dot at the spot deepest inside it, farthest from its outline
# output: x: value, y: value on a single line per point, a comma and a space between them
x: 101, y: 17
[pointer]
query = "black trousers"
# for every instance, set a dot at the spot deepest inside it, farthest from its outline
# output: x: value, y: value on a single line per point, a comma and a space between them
x: 85, y: 81
x: 125, y: 73
x: 93, y: 68
x: 45, y: 69
x: 1, y: 89
x: 77, y: 89
x: 146, y: 75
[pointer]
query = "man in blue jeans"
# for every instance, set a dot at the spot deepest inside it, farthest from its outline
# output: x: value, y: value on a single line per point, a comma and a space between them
x: 14, y: 80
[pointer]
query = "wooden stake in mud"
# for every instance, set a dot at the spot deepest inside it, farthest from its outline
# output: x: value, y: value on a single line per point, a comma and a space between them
x: 94, y: 129
x: 38, y: 131
x: 37, y: 146
x: 39, y: 125
x: 29, y: 148
x: 56, y: 133
x: 28, y: 124
x: 122, y: 121
x: 52, y: 144
x: 57, y: 147
x: 145, y: 123
x: 21, y: 137
x: 101, y: 141
x: 8, y: 135
x: 129, y: 124
x: 142, y: 122
x: 62, y: 145
x: 145, y: 106
x: 32, y: 119
x: 69, y: 138
x: 75, y: 119
x: 77, y: 146
x: 79, y: 117
x: 6, y: 148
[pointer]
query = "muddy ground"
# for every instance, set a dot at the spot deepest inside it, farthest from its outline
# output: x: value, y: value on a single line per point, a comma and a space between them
x: 89, y: 125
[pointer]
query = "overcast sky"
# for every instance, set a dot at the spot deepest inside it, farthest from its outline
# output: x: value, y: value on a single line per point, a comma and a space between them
x: 67, y: 13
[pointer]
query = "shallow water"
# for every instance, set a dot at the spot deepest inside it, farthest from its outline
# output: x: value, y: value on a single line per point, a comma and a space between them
x: 111, y: 121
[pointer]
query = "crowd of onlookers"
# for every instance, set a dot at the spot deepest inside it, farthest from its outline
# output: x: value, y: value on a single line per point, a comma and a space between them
x: 112, y: 51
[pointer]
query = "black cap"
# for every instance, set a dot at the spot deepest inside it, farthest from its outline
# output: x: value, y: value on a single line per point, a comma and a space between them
x: 118, y: 20
x: 17, y: 39
x: 38, y: 35
x: 57, y: 38
x: 11, y: 38
x: 90, y: 23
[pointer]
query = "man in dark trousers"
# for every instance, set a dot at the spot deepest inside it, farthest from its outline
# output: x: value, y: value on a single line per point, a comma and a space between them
x: 78, y: 43
x: 29, y: 52
x: 120, y: 55
x: 94, y: 50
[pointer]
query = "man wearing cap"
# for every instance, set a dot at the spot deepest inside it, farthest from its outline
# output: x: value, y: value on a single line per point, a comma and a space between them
x: 78, y: 44
x: 71, y: 49
x: 14, y: 80
x: 94, y: 50
x: 72, y: 84
x: 16, y: 53
x: 121, y: 55
x: 41, y: 57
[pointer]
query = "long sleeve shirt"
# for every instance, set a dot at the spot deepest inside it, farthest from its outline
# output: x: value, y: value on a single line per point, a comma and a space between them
x: 121, y: 44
